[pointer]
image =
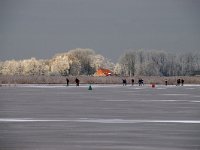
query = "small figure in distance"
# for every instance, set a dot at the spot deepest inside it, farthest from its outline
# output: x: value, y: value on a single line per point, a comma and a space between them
x: 178, y: 82
x: 140, y: 82
x: 124, y: 82
x: 166, y: 82
x: 77, y: 82
x: 67, y: 80
x: 132, y: 81
x: 182, y: 82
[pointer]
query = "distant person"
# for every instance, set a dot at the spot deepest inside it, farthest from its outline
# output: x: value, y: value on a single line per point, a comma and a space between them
x: 124, y: 82
x: 140, y: 82
x: 166, y: 82
x: 182, y: 82
x: 178, y: 82
x: 67, y: 80
x: 77, y: 82
x: 132, y: 81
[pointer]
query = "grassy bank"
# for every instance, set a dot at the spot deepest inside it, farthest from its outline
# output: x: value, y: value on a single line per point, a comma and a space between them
x: 94, y: 80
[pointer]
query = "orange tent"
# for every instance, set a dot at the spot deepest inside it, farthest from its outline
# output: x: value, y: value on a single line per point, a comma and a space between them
x: 103, y: 72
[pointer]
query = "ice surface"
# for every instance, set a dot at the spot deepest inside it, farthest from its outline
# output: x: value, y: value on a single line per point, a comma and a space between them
x: 114, y: 117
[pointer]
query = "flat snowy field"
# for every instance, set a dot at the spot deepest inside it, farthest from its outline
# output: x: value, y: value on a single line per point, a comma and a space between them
x: 109, y: 117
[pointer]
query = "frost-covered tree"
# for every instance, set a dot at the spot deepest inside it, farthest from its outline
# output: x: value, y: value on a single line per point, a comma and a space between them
x: 189, y: 63
x: 1, y: 67
x: 155, y: 63
x: 100, y: 61
x: 127, y: 62
x: 32, y: 67
x: 158, y: 63
x: 78, y: 62
x: 11, y: 67
x: 85, y: 59
x: 118, y: 69
x: 60, y: 64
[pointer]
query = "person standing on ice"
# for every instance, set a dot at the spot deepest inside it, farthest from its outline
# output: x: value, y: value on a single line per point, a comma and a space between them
x: 132, y: 81
x: 178, y: 82
x: 124, y: 82
x: 67, y: 80
x: 77, y: 82
x: 166, y: 83
x: 140, y: 82
x: 182, y: 82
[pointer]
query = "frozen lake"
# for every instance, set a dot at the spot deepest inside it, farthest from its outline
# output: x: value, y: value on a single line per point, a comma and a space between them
x: 111, y: 117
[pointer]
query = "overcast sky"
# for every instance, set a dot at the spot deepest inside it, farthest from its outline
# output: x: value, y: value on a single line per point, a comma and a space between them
x: 41, y: 28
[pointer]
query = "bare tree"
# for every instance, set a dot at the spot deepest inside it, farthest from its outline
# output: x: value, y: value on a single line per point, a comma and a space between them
x: 127, y: 62
x: 159, y: 63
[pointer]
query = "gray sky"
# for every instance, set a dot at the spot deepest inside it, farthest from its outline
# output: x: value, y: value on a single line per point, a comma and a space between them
x: 41, y: 28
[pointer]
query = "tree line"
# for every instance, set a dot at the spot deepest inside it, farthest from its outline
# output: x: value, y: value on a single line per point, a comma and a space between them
x: 86, y: 62
x: 158, y: 63
x: 74, y: 62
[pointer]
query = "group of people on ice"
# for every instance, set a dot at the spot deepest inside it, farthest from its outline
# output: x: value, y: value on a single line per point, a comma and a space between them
x: 77, y: 81
x: 140, y: 82
x: 180, y: 82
